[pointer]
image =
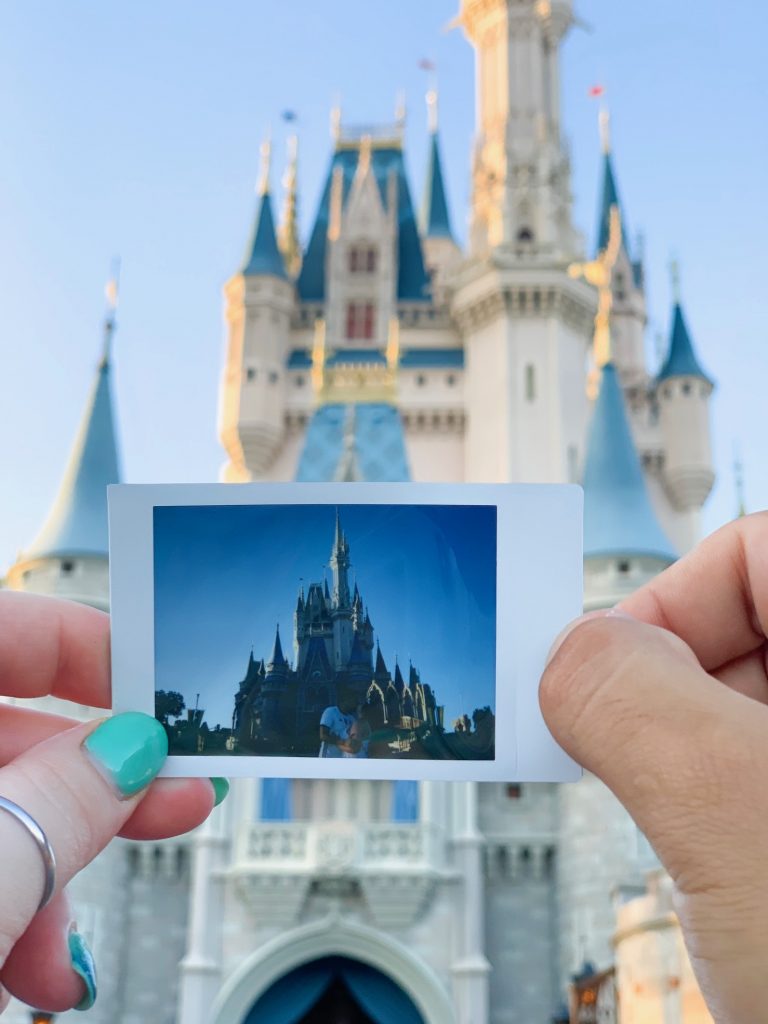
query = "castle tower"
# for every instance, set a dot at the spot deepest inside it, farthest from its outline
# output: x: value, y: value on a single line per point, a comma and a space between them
x: 624, y: 547
x: 343, y: 633
x: 69, y: 556
x: 521, y: 198
x: 527, y: 325
x: 258, y: 303
x: 683, y: 391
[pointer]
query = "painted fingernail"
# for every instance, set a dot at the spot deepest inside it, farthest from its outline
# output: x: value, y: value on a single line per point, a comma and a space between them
x: 602, y: 613
x: 83, y: 965
x: 129, y: 750
x: 220, y: 789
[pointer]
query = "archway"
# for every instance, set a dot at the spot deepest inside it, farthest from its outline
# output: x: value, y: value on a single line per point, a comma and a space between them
x: 332, y: 937
x: 334, y: 988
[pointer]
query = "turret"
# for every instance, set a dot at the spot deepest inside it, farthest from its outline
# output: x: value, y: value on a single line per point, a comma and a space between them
x: 69, y: 556
x: 258, y: 304
x: 441, y: 253
x: 683, y: 392
x: 624, y: 545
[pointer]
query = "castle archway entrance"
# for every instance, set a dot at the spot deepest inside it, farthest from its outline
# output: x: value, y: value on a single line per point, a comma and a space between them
x: 359, y: 970
x: 334, y: 988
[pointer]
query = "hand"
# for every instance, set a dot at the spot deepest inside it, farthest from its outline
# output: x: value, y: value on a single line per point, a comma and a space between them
x: 54, y: 647
x: 668, y: 707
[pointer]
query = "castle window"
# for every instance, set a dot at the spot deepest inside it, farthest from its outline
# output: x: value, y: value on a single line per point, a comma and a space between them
x: 67, y: 568
x: 514, y: 791
x: 299, y: 382
x: 274, y: 376
x: 686, y: 388
x: 421, y: 380
x: 250, y: 373
x: 530, y: 382
x: 620, y: 294
x: 525, y: 235
x: 450, y: 380
x: 623, y: 567
x: 360, y: 317
x: 363, y: 259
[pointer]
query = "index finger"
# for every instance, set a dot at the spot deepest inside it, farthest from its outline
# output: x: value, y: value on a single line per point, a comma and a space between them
x: 50, y: 646
x: 716, y: 597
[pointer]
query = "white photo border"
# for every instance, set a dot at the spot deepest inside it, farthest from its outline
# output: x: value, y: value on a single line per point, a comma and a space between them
x: 538, y: 590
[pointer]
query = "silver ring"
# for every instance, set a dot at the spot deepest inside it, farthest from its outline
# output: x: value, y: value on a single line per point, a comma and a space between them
x: 45, y: 848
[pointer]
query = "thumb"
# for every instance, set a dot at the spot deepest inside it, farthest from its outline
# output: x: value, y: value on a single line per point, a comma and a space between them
x: 682, y: 752
x: 687, y: 757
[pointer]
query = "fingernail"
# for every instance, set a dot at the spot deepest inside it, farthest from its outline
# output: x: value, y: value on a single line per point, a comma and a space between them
x: 602, y: 613
x: 129, y: 750
x: 83, y: 965
x: 220, y: 789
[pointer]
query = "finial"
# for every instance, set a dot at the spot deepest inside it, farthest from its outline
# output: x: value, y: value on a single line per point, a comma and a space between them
x: 738, y: 475
x: 336, y: 119
x: 111, y: 290
x: 604, y: 123
x: 288, y: 231
x: 674, y: 277
x: 400, y: 108
x: 432, y: 110
x: 266, y: 159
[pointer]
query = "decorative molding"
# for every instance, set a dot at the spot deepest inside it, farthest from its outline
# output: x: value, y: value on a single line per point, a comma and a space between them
x: 333, y: 936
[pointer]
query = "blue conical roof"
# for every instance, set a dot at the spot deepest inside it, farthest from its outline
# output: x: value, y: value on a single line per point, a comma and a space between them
x: 77, y: 523
x: 609, y: 198
x: 278, y: 658
x: 263, y: 255
x: 619, y: 519
x: 436, y: 222
x: 681, y: 360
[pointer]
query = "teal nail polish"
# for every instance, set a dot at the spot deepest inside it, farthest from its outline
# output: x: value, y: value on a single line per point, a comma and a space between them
x: 129, y: 749
x: 83, y: 965
x: 220, y: 788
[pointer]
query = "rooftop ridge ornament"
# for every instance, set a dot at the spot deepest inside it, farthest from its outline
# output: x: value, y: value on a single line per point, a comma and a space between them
x: 112, y: 293
x: 265, y: 152
x: 432, y: 109
x: 674, y: 279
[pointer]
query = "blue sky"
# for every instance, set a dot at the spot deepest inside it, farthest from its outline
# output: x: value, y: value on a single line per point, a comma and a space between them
x: 226, y: 575
x: 134, y: 129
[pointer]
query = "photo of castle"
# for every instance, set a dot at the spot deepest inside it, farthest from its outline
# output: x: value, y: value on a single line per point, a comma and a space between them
x: 333, y: 695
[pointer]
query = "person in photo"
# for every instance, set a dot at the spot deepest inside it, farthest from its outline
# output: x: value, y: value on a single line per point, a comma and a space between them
x: 336, y: 724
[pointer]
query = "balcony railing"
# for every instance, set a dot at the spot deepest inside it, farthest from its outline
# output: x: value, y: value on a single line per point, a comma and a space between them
x: 318, y: 848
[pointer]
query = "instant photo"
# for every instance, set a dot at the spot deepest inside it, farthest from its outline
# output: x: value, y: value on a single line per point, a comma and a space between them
x: 339, y: 630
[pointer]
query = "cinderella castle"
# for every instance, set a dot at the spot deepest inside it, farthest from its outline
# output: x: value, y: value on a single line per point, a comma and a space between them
x: 382, y: 349
x: 333, y: 641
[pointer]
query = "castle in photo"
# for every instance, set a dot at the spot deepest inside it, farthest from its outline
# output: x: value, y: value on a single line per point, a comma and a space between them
x: 333, y: 642
x: 382, y: 348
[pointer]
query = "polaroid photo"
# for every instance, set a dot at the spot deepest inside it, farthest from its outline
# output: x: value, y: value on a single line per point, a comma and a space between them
x: 362, y: 631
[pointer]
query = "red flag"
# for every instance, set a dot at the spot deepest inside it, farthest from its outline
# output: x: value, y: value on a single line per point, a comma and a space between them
x: 427, y: 65
x: 595, y: 91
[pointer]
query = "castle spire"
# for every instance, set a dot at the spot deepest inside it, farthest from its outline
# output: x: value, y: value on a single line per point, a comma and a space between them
x: 609, y: 198
x: 77, y: 522
x: 619, y: 519
x: 277, y: 659
x: 339, y: 563
x: 681, y: 360
x: 435, y: 220
x: 263, y: 255
x: 288, y: 233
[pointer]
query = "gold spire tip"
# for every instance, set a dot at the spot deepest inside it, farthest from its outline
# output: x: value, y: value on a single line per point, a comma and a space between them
x: 432, y: 109
x: 604, y: 123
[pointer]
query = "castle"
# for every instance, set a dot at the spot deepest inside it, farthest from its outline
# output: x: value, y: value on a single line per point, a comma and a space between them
x: 383, y: 350
x: 333, y: 641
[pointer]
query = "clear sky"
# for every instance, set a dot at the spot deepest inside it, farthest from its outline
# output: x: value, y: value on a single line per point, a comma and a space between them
x: 227, y: 575
x: 134, y: 129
